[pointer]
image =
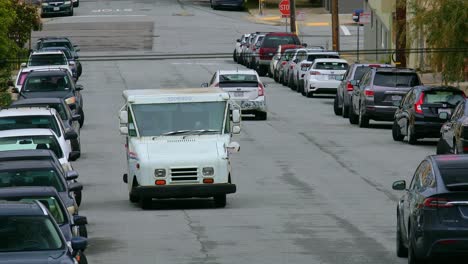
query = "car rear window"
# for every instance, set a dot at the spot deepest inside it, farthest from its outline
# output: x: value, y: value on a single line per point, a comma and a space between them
x: 331, y: 66
x: 450, y: 97
x: 396, y: 79
x: 275, y: 41
x: 360, y: 72
x: 31, y: 142
x: 235, y: 80
x: 455, y: 177
x: 321, y: 56
x: 22, y: 122
x: 47, y: 83
x: 31, y: 177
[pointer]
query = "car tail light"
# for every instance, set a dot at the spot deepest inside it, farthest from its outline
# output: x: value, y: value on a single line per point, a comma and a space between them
x: 263, y: 54
x: 283, y: 63
x: 349, y: 86
x: 261, y: 89
x: 418, y: 104
x: 436, y: 203
x: 314, y: 73
x: 304, y: 65
x: 369, y: 93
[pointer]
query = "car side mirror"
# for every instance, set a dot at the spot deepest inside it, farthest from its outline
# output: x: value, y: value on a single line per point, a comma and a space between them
x: 79, y: 220
x: 74, y: 155
x: 10, y: 83
x: 70, y: 135
x: 23, y: 65
x: 204, y: 85
x: 236, y: 116
x: 76, y: 117
x: 79, y: 87
x: 233, y: 147
x: 15, y: 90
x: 75, y: 187
x: 78, y: 244
x: 444, y: 115
x: 238, y: 40
x: 399, y: 185
x: 76, y: 57
x: 304, y: 45
x: 71, y: 175
x: 123, y: 117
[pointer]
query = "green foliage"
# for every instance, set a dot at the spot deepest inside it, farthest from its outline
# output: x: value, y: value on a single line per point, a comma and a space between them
x: 444, y: 25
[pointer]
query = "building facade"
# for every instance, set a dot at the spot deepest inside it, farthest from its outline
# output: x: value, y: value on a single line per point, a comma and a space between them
x: 345, y: 6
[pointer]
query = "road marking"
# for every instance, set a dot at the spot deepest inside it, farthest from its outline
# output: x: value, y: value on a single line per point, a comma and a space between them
x: 317, y: 24
x: 112, y: 16
x: 345, y: 30
x: 270, y: 18
x: 195, y: 63
x: 106, y: 10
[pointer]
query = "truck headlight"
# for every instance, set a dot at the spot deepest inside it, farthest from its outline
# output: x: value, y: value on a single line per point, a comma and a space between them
x: 160, y: 172
x: 208, y: 171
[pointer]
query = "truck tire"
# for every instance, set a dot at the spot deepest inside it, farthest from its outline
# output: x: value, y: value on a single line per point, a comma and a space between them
x: 220, y: 201
x: 261, y: 115
x: 145, y: 203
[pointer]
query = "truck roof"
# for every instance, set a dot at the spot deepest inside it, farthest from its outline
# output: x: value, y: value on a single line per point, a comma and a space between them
x: 175, y: 95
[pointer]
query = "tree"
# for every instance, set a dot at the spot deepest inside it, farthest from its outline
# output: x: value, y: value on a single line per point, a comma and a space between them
x: 443, y: 23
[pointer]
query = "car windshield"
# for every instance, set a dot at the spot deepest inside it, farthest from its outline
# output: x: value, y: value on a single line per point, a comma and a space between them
x: 48, y: 59
x: 28, y: 233
x: 313, y: 57
x: 159, y: 119
x: 49, y: 83
x: 331, y: 66
x: 396, y: 79
x: 31, y: 142
x: 20, y: 122
x: 454, y: 175
x: 449, y: 97
x: 52, y: 205
x: 275, y: 41
x: 31, y: 177
x: 235, y: 80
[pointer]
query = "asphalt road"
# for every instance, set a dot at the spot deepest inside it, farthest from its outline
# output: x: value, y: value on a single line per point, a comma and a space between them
x: 311, y: 187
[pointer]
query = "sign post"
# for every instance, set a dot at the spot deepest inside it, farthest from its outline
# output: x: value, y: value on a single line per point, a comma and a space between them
x: 285, y: 11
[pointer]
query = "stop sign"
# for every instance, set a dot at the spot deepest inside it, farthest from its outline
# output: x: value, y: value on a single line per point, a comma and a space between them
x: 284, y: 8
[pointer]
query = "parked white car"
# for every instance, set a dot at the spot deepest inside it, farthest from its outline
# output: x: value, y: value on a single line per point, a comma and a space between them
x: 238, y: 49
x: 324, y: 76
x: 50, y: 59
x: 245, y: 88
x: 37, y: 138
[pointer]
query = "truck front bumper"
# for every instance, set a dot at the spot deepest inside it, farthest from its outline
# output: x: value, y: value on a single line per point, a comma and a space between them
x: 184, y: 191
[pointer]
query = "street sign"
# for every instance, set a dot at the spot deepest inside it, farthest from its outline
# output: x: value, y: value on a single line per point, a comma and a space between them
x: 364, y: 18
x: 300, y: 16
x: 284, y: 8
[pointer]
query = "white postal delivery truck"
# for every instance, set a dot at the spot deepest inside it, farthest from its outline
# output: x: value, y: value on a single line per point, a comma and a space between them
x: 179, y: 143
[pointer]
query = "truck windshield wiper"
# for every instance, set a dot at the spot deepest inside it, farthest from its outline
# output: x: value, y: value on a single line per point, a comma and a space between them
x: 176, y: 132
x: 202, y: 131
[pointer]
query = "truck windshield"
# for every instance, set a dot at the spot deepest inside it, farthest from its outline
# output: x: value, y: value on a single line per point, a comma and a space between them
x: 178, y: 118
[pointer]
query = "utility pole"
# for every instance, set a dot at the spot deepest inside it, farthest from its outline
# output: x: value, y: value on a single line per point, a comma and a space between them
x: 335, y: 26
x: 292, y: 4
x: 401, y: 33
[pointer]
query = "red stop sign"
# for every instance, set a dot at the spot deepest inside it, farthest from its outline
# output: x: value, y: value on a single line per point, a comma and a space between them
x: 284, y: 8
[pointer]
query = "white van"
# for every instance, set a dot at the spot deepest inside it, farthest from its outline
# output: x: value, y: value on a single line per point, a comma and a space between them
x: 179, y: 143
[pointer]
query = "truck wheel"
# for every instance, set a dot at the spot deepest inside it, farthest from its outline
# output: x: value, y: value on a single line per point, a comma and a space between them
x: 133, y: 198
x: 261, y: 115
x: 220, y: 200
x: 83, y: 231
x: 145, y: 203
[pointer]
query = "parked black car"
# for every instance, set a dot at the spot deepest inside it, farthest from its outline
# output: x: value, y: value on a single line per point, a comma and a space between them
x: 55, y: 84
x: 54, y: 7
x: 432, y: 213
x: 378, y: 93
x: 355, y: 71
x: 417, y: 115
x: 30, y: 235
x: 454, y: 132
x: 70, y: 120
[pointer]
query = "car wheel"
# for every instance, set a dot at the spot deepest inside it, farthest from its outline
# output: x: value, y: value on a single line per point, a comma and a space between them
x: 291, y: 84
x: 261, y: 115
x: 234, y: 55
x: 396, y: 133
x: 353, y: 118
x: 76, y: 4
x: 81, y: 121
x: 336, y: 109
x: 82, y: 231
x: 401, y: 250
x: 412, y: 139
x: 145, y: 203
x: 441, y: 148
x: 78, y: 197
x: 71, y: 12
x: 83, y: 259
x: 220, y: 201
x: 345, y: 111
x: 412, y: 258
x: 303, y: 91
x: 363, y: 120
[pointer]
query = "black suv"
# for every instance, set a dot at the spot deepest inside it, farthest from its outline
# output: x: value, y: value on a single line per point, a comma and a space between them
x: 30, y: 235
x: 417, y: 115
x: 55, y: 84
x: 379, y: 92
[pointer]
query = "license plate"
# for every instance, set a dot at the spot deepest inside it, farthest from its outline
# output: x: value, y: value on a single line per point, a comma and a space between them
x: 396, y: 97
x: 338, y: 77
x: 448, y: 111
x: 237, y: 94
x: 56, y: 8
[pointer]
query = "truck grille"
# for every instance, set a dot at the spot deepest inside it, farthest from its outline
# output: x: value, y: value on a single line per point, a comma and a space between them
x: 184, y: 174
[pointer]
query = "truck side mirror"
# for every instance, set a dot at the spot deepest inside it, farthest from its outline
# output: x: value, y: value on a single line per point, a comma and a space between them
x: 123, y: 117
x: 236, y: 129
x: 124, y: 130
x: 233, y: 147
x: 236, y: 116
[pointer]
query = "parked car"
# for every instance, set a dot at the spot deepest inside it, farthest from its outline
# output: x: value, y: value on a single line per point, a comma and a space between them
x: 269, y: 46
x: 48, y: 42
x: 235, y: 4
x: 431, y: 214
x: 38, y: 117
x: 303, y: 60
x: 253, y: 51
x: 71, y: 226
x: 324, y: 76
x: 55, y: 84
x: 30, y: 235
x: 282, y: 62
x: 417, y: 116
x: 40, y: 60
x: 454, y: 132
x: 245, y: 48
x: 378, y: 93
x: 70, y: 120
x: 238, y: 49
x: 345, y: 90
x: 244, y: 87
x: 279, y: 52
x: 54, y: 7
x: 72, y: 60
